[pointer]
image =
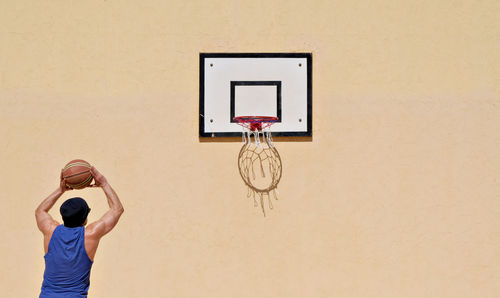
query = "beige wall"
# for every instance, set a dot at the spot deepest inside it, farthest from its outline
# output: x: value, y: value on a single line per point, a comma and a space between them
x: 397, y: 195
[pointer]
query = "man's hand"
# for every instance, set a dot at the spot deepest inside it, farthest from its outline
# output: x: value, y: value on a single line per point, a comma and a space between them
x: 99, y: 179
x: 62, y: 184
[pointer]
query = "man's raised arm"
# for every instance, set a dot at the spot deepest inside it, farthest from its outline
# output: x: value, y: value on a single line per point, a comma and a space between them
x: 109, y: 220
x: 46, y: 224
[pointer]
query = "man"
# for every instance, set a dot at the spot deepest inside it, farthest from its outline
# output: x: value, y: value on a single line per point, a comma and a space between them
x: 70, y: 248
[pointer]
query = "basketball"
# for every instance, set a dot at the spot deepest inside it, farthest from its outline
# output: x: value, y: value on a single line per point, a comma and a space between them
x: 77, y: 174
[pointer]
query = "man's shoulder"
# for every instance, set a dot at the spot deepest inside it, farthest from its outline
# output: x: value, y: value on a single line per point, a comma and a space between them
x: 92, y: 230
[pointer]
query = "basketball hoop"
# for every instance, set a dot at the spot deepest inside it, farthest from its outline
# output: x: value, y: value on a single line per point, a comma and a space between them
x: 255, y: 122
x: 260, y: 154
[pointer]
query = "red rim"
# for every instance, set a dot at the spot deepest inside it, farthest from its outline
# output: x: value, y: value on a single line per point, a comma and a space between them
x: 255, y: 119
x: 255, y: 122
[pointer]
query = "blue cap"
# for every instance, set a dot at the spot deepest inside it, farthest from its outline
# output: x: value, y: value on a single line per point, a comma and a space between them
x: 74, y: 212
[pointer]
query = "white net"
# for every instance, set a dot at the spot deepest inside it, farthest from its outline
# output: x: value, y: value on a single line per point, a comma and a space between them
x: 260, y: 167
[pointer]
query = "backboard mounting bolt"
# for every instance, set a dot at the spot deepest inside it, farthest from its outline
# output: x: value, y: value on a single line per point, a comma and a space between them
x: 300, y: 119
x: 211, y: 120
x: 300, y: 64
x: 211, y: 64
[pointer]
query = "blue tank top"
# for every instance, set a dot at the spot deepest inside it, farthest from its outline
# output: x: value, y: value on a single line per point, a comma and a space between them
x: 67, y: 265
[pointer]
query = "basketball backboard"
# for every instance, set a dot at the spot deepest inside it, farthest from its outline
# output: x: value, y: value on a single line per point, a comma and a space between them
x: 255, y: 84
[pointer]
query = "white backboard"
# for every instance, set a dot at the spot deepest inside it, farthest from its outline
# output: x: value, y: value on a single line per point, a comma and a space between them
x: 277, y: 84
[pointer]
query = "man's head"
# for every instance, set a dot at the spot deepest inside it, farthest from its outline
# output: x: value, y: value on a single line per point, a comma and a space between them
x: 74, y: 212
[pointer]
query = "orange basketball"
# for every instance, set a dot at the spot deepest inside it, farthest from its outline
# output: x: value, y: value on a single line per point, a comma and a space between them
x: 77, y: 174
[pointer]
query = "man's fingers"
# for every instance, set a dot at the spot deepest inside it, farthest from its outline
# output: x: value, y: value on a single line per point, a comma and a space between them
x: 63, y: 185
x: 95, y: 173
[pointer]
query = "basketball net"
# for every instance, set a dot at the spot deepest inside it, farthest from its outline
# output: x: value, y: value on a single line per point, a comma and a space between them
x: 259, y: 163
